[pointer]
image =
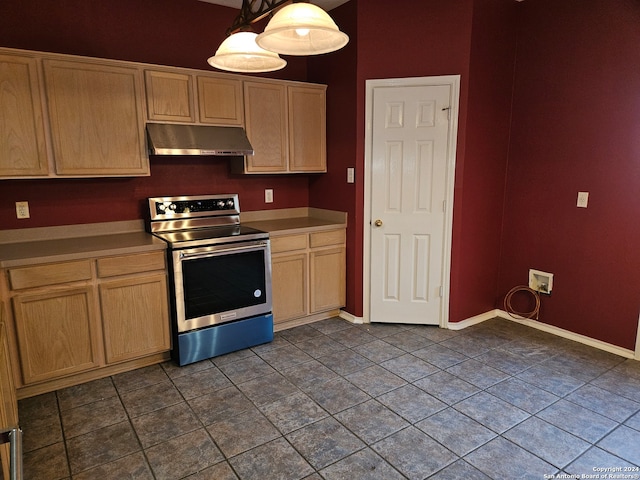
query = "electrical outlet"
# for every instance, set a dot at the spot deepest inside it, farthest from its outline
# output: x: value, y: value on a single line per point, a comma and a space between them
x: 583, y: 199
x: 22, y: 209
x: 268, y: 195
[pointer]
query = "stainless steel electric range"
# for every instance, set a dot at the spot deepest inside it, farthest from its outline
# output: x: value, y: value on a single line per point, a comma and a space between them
x: 220, y: 275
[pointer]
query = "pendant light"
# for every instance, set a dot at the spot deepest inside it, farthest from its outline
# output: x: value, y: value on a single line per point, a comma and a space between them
x: 240, y: 53
x: 301, y: 29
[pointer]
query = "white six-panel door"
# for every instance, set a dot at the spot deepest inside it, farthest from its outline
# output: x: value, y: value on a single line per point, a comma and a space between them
x: 410, y: 177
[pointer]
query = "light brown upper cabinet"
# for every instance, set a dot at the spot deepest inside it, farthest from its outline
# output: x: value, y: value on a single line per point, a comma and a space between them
x: 96, y: 118
x: 70, y: 116
x: 22, y: 138
x: 169, y: 96
x: 220, y: 100
x: 286, y: 125
x: 307, y: 128
x: 178, y: 95
x: 266, y: 125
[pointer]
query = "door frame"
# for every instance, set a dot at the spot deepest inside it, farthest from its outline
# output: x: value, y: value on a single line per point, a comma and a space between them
x: 454, y: 82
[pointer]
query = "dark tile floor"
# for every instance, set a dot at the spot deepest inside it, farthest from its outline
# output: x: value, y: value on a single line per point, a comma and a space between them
x: 336, y: 401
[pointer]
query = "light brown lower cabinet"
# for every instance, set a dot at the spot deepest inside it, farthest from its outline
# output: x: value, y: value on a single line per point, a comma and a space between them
x: 57, y: 333
x: 289, y: 286
x: 8, y: 401
x: 72, y: 326
x: 327, y: 271
x: 308, y: 276
x: 134, y: 317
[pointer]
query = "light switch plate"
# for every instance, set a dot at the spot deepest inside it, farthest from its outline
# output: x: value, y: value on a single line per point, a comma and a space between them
x: 351, y: 175
x: 268, y: 195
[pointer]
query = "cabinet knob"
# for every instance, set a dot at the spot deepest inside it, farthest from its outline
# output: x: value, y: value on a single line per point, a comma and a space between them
x: 378, y: 223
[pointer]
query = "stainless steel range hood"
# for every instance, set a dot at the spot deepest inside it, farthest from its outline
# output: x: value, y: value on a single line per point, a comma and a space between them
x: 171, y: 139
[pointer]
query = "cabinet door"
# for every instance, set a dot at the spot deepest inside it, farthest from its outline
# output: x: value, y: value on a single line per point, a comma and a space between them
x: 220, y: 101
x: 57, y: 333
x: 8, y: 402
x: 22, y: 144
x: 135, y: 317
x: 328, y: 284
x: 289, y: 286
x: 96, y: 117
x: 266, y: 124
x: 169, y: 96
x: 307, y: 129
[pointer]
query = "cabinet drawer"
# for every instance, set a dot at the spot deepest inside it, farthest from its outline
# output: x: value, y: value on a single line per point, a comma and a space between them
x: 52, y: 274
x: 126, y: 264
x: 333, y: 237
x: 288, y: 243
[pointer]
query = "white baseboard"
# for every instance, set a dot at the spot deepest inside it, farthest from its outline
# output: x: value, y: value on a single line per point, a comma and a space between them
x: 473, y: 320
x: 351, y: 318
x: 592, y: 342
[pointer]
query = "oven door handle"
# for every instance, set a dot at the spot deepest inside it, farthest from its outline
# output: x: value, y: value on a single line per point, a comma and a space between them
x: 258, y: 246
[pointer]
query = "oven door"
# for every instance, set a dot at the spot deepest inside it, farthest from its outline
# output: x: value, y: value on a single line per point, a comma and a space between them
x: 221, y: 283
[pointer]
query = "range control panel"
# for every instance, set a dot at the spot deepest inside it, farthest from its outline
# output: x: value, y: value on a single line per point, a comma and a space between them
x: 195, y: 206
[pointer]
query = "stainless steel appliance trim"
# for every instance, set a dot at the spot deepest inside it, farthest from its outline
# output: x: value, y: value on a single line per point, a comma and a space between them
x: 177, y: 139
x: 14, y: 437
x: 184, y: 324
x: 157, y: 216
x: 202, y: 152
x: 218, y: 241
x: 190, y: 223
x: 211, y: 252
x: 220, y: 339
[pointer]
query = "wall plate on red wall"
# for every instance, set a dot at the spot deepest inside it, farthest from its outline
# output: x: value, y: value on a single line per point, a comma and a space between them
x: 541, y: 282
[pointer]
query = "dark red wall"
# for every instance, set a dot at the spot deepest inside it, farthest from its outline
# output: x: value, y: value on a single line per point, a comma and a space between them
x: 576, y: 127
x: 182, y: 33
x: 377, y: 50
x: 331, y: 190
x: 426, y: 38
x: 481, y: 168
x: 151, y: 31
x: 72, y: 201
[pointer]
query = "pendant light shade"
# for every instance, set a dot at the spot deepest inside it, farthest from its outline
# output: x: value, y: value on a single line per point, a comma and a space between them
x: 240, y: 53
x: 301, y: 29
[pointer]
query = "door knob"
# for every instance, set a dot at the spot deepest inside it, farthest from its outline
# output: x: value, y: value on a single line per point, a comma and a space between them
x: 378, y: 223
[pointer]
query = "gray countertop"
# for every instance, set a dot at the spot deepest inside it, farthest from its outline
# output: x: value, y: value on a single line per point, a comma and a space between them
x: 75, y: 248
x: 286, y: 226
x: 294, y: 220
x: 73, y: 242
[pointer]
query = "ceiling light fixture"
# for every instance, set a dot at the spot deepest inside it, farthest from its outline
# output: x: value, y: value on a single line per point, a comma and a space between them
x: 240, y: 53
x: 302, y: 29
x: 295, y: 29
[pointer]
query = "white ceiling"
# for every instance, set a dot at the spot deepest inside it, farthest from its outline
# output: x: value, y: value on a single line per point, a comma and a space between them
x: 324, y: 4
